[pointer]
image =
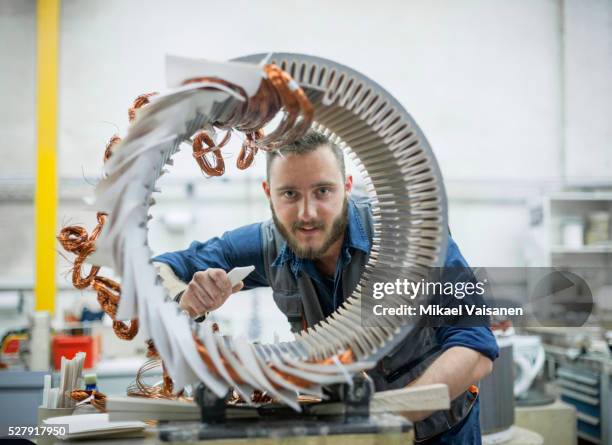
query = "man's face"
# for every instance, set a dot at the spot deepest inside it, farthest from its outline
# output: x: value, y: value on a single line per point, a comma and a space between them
x: 308, y: 199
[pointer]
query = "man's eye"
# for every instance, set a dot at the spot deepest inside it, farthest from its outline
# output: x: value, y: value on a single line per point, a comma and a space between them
x: 324, y: 191
x: 289, y: 194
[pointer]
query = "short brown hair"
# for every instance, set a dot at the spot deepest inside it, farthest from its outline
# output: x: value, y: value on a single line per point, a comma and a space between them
x: 306, y: 144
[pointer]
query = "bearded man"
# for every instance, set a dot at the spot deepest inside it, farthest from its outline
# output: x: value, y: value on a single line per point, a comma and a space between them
x: 312, y: 254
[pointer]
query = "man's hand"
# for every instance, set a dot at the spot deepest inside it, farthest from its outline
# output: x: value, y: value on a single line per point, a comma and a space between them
x: 207, y: 291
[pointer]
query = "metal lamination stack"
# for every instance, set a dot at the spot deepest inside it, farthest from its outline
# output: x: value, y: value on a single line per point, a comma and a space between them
x: 497, y: 392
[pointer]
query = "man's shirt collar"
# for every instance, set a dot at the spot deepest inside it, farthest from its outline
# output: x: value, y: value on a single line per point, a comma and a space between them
x: 355, y: 237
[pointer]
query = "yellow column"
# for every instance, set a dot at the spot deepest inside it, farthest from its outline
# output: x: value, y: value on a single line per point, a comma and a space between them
x: 45, y: 200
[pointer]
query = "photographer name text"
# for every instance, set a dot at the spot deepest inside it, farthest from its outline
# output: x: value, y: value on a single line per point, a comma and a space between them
x: 441, y: 311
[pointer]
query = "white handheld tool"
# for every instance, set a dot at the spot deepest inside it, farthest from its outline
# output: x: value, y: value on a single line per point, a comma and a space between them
x: 237, y: 274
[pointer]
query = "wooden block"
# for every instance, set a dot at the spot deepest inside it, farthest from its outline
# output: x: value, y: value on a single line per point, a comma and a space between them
x: 416, y: 398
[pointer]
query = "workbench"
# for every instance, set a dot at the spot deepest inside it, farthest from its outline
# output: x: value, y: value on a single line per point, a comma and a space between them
x: 152, y: 438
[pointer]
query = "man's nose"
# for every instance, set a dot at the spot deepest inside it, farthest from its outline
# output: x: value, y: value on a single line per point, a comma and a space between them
x: 308, y: 210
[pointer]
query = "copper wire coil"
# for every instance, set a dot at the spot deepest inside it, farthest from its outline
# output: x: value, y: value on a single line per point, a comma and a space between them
x: 151, y: 351
x: 210, y: 364
x: 261, y: 108
x: 139, y: 102
x: 200, y: 153
x: 108, y: 286
x: 140, y: 389
x: 108, y: 294
x: 248, y: 150
x: 78, y: 280
x: 114, y: 140
x: 76, y: 240
x: 98, y: 399
x: 258, y: 397
x: 95, y: 233
x: 306, y: 111
x: 72, y: 238
x: 237, y: 113
x: 168, y: 383
x: 276, y: 92
x: 124, y: 331
x: 290, y: 103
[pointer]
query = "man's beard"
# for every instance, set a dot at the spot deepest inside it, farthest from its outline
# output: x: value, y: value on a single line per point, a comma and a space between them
x: 338, y: 228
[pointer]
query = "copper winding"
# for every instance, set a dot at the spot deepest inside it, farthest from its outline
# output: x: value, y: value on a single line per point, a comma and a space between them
x: 248, y: 150
x: 346, y: 357
x: 276, y: 91
x: 289, y: 102
x: 200, y: 153
x: 210, y: 364
x: 96, y: 399
x: 260, y: 109
x: 297, y: 105
x: 258, y: 397
x: 139, y: 102
x: 140, y: 389
x: 237, y: 113
x: 151, y: 351
x: 125, y: 331
x: 261, y: 397
x: 76, y: 240
x: 72, y: 238
x: 108, y: 151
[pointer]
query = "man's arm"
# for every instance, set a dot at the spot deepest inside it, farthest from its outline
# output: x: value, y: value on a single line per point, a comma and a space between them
x: 235, y: 248
x: 459, y: 368
x: 197, y: 276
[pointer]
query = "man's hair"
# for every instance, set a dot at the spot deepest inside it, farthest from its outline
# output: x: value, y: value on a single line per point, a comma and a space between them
x: 308, y: 143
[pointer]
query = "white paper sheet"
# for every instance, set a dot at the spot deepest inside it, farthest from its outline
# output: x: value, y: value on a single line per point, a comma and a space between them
x: 180, y: 69
x: 93, y: 425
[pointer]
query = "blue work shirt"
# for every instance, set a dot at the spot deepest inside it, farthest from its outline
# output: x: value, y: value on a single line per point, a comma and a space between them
x: 244, y: 247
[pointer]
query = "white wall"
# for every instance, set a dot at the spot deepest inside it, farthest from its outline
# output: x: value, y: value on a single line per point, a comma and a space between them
x: 17, y: 137
x: 588, y: 91
x: 17, y: 87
